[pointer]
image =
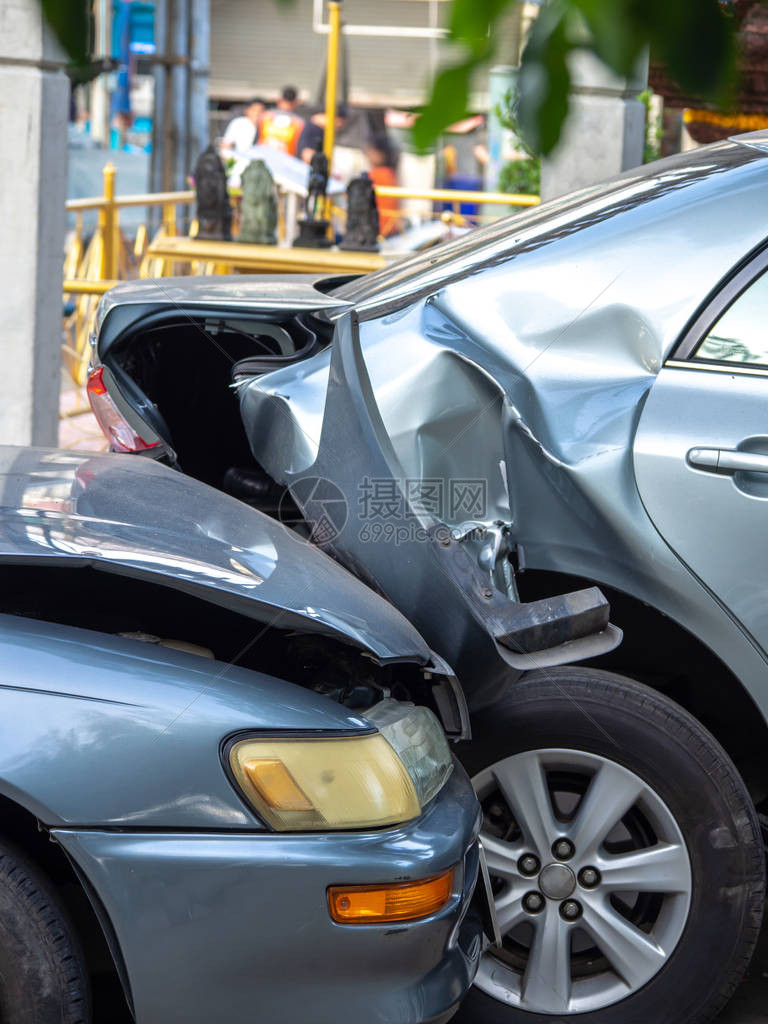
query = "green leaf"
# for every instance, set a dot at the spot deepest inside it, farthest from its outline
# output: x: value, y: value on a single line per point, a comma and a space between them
x: 614, y: 32
x: 701, y: 52
x: 472, y: 22
x: 448, y: 104
x: 70, y: 20
x: 694, y: 40
x: 544, y: 81
x: 472, y: 27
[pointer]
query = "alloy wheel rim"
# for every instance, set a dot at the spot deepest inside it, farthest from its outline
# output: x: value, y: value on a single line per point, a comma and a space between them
x: 610, y: 895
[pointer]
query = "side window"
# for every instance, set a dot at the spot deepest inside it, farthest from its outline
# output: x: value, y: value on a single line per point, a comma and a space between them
x: 741, y: 333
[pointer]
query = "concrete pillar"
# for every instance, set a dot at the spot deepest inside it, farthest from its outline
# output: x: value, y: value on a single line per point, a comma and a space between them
x: 34, y: 98
x: 605, y: 129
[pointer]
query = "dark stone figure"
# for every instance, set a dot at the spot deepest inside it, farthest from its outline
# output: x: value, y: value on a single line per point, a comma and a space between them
x: 214, y: 214
x: 318, y: 183
x: 313, y: 230
x: 258, y: 213
x: 362, y: 216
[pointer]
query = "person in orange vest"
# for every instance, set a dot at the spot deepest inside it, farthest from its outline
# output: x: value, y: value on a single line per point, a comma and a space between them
x: 383, y: 160
x: 282, y: 127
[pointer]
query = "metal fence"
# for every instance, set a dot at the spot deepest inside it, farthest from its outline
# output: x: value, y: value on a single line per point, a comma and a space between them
x: 95, y: 263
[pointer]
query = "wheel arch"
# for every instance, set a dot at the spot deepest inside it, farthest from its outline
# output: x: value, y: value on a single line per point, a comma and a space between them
x: 87, y: 914
x: 680, y: 665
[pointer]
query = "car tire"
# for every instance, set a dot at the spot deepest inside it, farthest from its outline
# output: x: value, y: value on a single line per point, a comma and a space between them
x: 659, y: 955
x: 42, y: 973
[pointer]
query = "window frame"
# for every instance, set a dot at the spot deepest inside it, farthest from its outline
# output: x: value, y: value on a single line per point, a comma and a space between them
x: 727, y: 292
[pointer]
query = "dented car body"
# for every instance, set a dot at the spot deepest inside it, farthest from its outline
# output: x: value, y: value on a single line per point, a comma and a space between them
x: 521, y: 356
x: 530, y: 441
x: 448, y: 484
x: 118, y: 744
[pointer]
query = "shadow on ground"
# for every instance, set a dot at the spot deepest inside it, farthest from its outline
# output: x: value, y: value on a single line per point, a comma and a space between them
x: 750, y: 1004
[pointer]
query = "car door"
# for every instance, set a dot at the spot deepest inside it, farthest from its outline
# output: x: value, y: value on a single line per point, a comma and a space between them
x: 701, y: 448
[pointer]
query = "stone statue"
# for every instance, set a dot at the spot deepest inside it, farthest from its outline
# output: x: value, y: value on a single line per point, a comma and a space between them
x: 258, y: 213
x: 362, y: 216
x: 313, y: 230
x: 318, y: 183
x: 214, y: 214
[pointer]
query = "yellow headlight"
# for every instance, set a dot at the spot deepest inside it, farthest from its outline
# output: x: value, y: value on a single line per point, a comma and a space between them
x: 316, y: 784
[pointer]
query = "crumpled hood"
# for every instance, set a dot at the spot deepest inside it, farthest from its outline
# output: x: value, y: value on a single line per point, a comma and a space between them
x: 135, y: 517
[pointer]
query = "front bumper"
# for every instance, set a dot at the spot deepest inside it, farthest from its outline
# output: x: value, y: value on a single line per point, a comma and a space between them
x: 236, y: 925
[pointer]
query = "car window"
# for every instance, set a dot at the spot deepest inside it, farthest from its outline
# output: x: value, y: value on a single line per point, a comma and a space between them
x: 741, y: 333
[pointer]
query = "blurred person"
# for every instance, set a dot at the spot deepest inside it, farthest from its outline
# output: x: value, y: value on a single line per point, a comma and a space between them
x: 282, y: 126
x: 313, y: 134
x: 241, y: 132
x: 382, y: 158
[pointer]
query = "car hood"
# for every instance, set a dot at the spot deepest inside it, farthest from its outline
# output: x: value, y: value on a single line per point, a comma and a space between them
x: 137, y: 518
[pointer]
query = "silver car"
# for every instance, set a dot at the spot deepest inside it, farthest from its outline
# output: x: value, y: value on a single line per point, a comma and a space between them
x: 570, y: 402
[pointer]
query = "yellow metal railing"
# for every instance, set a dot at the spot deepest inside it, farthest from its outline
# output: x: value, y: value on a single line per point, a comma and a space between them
x: 260, y: 259
x: 91, y: 268
x: 72, y: 287
x: 109, y: 257
x: 449, y: 195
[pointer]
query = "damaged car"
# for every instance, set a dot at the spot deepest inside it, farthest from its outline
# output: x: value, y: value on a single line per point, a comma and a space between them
x: 224, y: 780
x: 544, y: 445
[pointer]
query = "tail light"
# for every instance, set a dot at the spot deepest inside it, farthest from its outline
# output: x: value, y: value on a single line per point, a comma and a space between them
x: 117, y: 430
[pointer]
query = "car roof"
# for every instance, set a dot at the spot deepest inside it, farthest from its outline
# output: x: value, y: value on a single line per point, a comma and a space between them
x: 674, y: 181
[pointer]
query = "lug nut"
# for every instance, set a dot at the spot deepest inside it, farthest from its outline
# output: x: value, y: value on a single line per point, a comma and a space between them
x: 528, y: 864
x: 533, y: 902
x: 570, y: 910
x: 562, y: 849
x: 589, y: 878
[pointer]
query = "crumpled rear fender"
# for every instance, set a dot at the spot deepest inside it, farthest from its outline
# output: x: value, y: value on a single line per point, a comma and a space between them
x: 137, y: 518
x: 425, y: 570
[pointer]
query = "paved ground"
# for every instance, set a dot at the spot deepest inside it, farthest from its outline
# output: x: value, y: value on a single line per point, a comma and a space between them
x: 85, y: 179
x: 79, y: 431
x: 750, y: 1004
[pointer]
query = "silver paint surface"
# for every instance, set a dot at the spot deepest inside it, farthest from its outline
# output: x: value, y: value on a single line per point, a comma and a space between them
x: 524, y: 354
x: 237, y: 926
x: 102, y: 731
x: 115, y: 745
x: 142, y: 519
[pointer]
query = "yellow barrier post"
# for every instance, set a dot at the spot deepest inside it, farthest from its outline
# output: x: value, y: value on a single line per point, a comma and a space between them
x: 331, y: 81
x: 169, y: 219
x: 108, y: 262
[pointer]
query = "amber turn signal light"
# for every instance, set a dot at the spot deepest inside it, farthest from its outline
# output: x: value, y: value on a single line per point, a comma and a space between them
x: 379, y: 904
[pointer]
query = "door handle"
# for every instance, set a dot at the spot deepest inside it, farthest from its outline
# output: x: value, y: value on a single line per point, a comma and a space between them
x: 723, y: 460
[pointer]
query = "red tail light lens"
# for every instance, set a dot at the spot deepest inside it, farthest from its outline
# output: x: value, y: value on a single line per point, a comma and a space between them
x: 117, y: 430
